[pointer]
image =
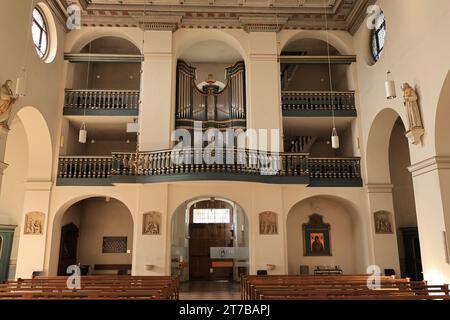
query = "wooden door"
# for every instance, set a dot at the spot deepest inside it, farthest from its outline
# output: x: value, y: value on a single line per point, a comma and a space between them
x: 68, y: 248
x: 203, y: 236
x: 6, y: 239
x: 413, y: 260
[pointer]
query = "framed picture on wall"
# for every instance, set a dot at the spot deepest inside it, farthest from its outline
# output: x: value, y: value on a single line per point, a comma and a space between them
x: 114, y: 245
x: 316, y: 237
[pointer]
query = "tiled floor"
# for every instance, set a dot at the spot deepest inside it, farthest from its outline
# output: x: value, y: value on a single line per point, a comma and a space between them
x: 209, y: 290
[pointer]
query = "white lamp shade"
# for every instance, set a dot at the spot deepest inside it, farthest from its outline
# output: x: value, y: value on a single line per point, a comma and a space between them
x: 335, y: 139
x: 389, y: 86
x: 82, y: 138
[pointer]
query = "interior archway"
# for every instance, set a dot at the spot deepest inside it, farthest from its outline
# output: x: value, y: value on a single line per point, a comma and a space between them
x: 346, y: 248
x: 209, y: 240
x: 95, y: 233
x: 28, y: 154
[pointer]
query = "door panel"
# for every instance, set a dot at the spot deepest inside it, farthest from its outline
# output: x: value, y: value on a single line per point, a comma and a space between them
x: 6, y: 239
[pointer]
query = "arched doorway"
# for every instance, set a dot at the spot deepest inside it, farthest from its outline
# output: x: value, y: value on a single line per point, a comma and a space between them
x: 388, y: 160
x: 209, y: 240
x: 96, y: 234
x: 341, y: 235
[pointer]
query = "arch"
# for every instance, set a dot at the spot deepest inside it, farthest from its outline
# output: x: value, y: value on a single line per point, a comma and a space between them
x: 287, y: 37
x: 54, y: 225
x: 86, y: 35
x: 329, y: 206
x: 377, y: 151
x: 179, y: 223
x: 187, y: 40
x: 442, y: 133
x: 40, y: 151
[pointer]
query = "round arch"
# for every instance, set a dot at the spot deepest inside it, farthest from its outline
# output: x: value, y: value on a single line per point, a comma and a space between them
x: 377, y: 150
x: 442, y: 133
x: 40, y: 151
x: 177, y: 240
x: 87, y: 35
x: 54, y: 225
x: 288, y: 37
x: 353, y: 232
x: 187, y: 40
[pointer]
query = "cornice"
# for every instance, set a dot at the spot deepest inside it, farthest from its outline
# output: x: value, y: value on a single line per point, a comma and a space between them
x: 38, y: 185
x: 255, y: 16
x: 379, y: 188
x: 429, y: 165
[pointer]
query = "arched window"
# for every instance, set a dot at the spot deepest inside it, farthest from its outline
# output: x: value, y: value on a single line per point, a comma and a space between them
x: 378, y: 37
x: 39, y: 29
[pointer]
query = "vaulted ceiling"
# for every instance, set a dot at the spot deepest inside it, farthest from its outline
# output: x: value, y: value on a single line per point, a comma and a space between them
x: 251, y: 15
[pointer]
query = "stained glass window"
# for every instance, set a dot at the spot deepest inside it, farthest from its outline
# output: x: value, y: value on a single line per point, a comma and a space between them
x: 40, y: 33
x: 378, y: 37
x: 211, y: 216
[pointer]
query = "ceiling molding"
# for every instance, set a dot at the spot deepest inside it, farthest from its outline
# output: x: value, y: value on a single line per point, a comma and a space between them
x: 252, y: 16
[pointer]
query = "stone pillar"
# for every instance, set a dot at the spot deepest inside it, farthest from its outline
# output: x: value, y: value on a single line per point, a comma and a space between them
x: 31, y: 254
x: 384, y: 247
x: 431, y: 179
x: 156, y: 111
x: 264, y: 110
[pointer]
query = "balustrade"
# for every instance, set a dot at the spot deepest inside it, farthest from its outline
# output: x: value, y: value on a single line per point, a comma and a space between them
x: 102, y: 99
x: 325, y: 101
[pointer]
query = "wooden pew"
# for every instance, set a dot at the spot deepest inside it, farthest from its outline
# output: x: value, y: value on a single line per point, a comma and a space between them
x: 93, y: 287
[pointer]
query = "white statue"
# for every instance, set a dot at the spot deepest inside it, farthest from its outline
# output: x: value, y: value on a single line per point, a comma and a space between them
x: 7, y: 100
x: 412, y: 107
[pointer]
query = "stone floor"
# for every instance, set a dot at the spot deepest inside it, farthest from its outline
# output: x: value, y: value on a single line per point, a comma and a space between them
x: 209, y: 290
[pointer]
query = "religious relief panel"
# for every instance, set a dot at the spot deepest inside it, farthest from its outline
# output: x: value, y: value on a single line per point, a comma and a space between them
x: 383, y: 222
x: 151, y: 224
x: 268, y: 223
x: 316, y: 235
x: 34, y: 223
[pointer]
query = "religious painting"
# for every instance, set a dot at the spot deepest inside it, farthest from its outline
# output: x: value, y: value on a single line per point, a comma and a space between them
x: 316, y: 236
x: 114, y: 245
x: 151, y: 224
x: 383, y: 222
x: 34, y: 223
x: 268, y: 223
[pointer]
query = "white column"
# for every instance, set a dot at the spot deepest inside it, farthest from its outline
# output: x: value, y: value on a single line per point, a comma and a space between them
x: 384, y: 246
x: 156, y: 110
x: 31, y: 252
x: 264, y: 110
x: 431, y: 179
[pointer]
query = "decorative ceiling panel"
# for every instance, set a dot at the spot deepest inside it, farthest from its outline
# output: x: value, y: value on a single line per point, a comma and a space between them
x: 251, y: 15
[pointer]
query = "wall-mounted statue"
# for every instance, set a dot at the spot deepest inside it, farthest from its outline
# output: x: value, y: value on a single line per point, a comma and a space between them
x: 34, y: 223
x: 415, y: 124
x: 268, y: 223
x: 7, y: 100
x: 383, y: 222
x: 151, y: 224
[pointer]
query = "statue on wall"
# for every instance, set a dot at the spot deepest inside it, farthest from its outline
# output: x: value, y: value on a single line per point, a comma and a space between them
x: 415, y: 129
x: 268, y: 223
x: 383, y: 223
x: 7, y: 100
x: 151, y: 223
x: 34, y: 223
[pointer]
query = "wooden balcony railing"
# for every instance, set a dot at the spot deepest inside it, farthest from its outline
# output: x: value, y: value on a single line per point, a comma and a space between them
x: 102, y: 99
x: 84, y: 167
x: 318, y: 101
x: 334, y: 168
x: 237, y: 165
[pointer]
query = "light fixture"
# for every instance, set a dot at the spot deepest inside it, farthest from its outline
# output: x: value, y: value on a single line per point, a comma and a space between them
x: 21, y: 83
x: 334, y: 139
x: 334, y: 134
x: 389, y: 87
x: 82, y: 137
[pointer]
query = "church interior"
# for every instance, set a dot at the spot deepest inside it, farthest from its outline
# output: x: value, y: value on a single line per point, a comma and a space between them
x: 225, y: 150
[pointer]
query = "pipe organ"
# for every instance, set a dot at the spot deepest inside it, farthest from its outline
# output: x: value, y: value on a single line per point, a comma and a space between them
x: 214, y: 106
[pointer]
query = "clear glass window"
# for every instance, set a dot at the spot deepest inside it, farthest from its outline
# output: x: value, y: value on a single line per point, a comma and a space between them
x: 39, y: 31
x: 378, y: 37
x: 211, y: 216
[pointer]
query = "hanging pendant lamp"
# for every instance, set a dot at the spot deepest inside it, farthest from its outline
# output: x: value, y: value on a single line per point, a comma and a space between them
x: 82, y: 137
x: 335, y: 139
x: 389, y: 87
